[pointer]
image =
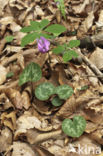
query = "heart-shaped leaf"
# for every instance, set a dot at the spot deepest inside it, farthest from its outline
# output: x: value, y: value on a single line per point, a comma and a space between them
x: 64, y: 91
x: 56, y: 101
x: 32, y: 72
x: 44, y: 91
x: 74, y: 128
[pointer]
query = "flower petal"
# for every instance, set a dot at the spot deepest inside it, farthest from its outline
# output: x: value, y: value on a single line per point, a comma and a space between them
x: 43, y: 44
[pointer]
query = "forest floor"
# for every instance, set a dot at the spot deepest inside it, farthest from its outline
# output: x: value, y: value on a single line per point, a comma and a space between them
x: 33, y: 127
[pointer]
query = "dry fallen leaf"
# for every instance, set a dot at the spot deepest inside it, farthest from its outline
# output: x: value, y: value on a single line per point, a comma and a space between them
x: 35, y: 126
x: 20, y: 148
x: 9, y: 120
x: 15, y: 97
x: 97, y: 58
x: 5, y: 139
x: 3, y: 73
x: 2, y: 6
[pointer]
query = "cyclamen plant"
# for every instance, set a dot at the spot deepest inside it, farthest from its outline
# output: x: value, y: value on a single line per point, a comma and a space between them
x: 32, y: 72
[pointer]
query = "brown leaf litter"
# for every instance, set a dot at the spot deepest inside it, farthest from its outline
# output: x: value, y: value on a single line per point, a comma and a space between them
x: 30, y: 127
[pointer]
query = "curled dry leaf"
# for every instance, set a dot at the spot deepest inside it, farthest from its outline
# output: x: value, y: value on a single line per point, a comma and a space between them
x: 5, y: 102
x: 39, y: 11
x: 100, y: 20
x: 28, y: 121
x: 21, y: 61
x: 9, y: 120
x: 97, y: 136
x: 6, y: 20
x: 92, y: 78
x: 10, y: 48
x: 15, y: 27
x: 91, y: 115
x: 62, y: 75
x: 79, y: 7
x: 19, y: 4
x: 5, y: 139
x: 87, y: 24
x: 2, y: 44
x: 26, y: 100
x: 97, y: 58
x: 59, y: 148
x: 87, y: 144
x: 25, y: 122
x: 22, y: 149
x: 33, y: 57
x: 72, y: 104
x: 42, y: 152
x: 35, y: 137
x: 90, y: 127
x: 96, y: 104
x: 2, y: 6
x: 15, y: 97
x: 3, y: 73
x: 41, y: 107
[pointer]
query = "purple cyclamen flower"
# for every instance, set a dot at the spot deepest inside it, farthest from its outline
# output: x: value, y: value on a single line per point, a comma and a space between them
x: 43, y: 44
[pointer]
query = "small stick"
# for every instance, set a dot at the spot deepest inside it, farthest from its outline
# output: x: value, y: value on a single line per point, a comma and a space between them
x: 92, y: 66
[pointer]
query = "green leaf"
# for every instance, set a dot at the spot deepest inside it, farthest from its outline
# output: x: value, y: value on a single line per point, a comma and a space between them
x: 28, y: 29
x: 39, y: 25
x: 69, y: 55
x: 55, y: 29
x: 9, y: 38
x: 32, y: 72
x: 44, y: 23
x: 59, y: 49
x: 46, y: 35
x: 10, y: 74
x: 64, y: 91
x: 74, y: 43
x: 29, y: 38
x: 74, y: 128
x: 56, y: 101
x: 35, y: 24
x: 44, y: 91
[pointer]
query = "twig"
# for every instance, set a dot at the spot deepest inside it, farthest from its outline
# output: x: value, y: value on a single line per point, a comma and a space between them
x: 92, y: 66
